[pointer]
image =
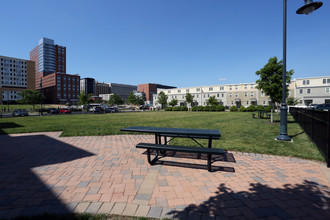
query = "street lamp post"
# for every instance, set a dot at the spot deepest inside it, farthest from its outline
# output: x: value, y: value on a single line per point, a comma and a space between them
x: 307, y: 9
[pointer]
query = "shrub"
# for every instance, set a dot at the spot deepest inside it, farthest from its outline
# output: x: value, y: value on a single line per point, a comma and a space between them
x: 168, y: 108
x: 194, y: 108
x: 184, y: 108
x: 268, y: 108
x: 207, y: 108
x: 260, y: 108
x: 220, y: 108
x: 213, y: 108
x: 242, y: 109
x: 233, y: 108
x: 200, y: 108
x: 251, y: 108
x: 177, y: 108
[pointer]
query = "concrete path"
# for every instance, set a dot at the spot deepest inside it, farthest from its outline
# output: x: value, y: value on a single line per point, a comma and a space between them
x: 42, y: 172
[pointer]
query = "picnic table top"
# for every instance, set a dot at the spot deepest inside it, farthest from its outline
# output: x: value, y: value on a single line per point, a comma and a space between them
x: 214, y: 133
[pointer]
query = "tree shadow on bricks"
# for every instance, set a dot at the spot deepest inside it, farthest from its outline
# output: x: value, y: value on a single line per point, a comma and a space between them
x: 227, y: 157
x: 309, y: 200
x: 24, y: 160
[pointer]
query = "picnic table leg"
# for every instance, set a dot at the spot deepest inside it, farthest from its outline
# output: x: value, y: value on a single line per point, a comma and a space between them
x: 209, y: 155
x: 152, y: 162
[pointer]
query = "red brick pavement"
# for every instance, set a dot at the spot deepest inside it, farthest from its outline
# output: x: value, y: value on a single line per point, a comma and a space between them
x: 42, y: 172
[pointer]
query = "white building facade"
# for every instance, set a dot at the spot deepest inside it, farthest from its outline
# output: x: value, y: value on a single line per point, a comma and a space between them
x: 306, y: 90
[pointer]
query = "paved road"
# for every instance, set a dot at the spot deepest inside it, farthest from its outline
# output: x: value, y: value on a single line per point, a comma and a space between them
x: 42, y: 172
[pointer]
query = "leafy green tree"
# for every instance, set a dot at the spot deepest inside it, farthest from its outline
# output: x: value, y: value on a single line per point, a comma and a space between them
x: 116, y: 100
x: 31, y: 97
x: 162, y: 99
x: 131, y: 98
x: 85, y: 99
x: 212, y: 101
x: 139, y: 100
x: 173, y: 102
x: 270, y: 81
x: 292, y: 101
x: 189, y: 98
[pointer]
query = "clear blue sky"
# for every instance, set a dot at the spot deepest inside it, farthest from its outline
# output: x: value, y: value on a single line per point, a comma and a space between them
x: 173, y: 42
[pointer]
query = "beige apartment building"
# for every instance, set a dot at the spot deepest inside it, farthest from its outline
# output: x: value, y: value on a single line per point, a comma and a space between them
x: 312, y: 90
x: 307, y: 90
x: 16, y: 75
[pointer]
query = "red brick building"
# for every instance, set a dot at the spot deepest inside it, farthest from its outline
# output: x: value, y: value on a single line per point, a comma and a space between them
x: 150, y: 88
x: 50, y: 73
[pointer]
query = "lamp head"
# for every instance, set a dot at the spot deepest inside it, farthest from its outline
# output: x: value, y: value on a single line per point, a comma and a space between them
x: 309, y: 7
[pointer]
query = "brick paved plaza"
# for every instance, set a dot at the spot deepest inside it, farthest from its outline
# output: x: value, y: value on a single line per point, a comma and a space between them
x: 42, y: 172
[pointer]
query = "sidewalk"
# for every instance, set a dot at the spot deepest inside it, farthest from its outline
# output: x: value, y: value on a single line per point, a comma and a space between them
x: 42, y: 172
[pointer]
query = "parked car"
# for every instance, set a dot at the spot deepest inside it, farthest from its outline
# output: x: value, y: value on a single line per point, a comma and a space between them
x: 98, y: 110
x: 325, y: 106
x: 110, y: 110
x: 19, y: 112
x: 52, y: 111
x: 312, y: 106
x: 65, y: 110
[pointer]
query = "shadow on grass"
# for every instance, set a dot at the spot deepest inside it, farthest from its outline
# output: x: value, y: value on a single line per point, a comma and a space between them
x: 8, y: 125
x: 227, y: 157
x: 309, y: 200
x: 26, y: 162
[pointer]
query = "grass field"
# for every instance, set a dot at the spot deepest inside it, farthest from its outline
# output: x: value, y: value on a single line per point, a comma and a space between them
x: 239, y: 131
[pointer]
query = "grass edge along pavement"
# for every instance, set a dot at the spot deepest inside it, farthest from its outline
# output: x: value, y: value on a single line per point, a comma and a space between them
x: 240, y: 132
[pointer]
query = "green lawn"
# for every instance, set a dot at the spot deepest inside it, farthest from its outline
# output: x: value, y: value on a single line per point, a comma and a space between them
x: 240, y: 132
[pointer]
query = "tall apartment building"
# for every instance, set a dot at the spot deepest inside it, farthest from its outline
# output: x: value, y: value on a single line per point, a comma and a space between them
x: 50, y: 73
x: 88, y: 85
x: 149, y: 89
x: 49, y: 58
x: 16, y: 76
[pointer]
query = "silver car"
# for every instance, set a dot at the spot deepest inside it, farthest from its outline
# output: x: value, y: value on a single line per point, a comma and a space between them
x: 19, y: 112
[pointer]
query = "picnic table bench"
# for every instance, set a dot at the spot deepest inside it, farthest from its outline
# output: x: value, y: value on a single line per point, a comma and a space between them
x: 193, y: 134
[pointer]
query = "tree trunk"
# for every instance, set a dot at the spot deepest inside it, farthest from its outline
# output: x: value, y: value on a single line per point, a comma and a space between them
x: 271, y: 113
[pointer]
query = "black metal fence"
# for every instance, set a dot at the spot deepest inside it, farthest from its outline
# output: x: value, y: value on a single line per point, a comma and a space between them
x: 316, y: 124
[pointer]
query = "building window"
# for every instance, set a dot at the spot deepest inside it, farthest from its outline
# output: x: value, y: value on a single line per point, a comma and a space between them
x: 307, y: 82
x: 245, y: 94
x: 218, y: 95
x: 232, y: 102
x: 211, y: 89
x: 236, y: 87
x: 327, y: 90
x: 252, y: 94
x: 304, y: 82
x: 264, y: 102
x: 198, y: 89
x: 245, y: 86
x: 236, y: 94
x: 251, y: 86
x: 187, y: 90
x: 300, y: 91
x: 230, y: 87
x: 326, y: 81
x: 230, y: 95
x: 169, y: 91
x: 222, y: 88
x: 308, y: 91
x: 247, y: 102
x: 262, y: 94
x: 179, y: 90
x: 222, y: 95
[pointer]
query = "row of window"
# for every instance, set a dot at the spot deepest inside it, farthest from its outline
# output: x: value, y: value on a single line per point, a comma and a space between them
x: 309, y: 91
x: 13, y: 61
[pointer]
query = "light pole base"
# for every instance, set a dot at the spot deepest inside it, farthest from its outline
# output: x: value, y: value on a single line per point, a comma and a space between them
x: 283, y: 137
